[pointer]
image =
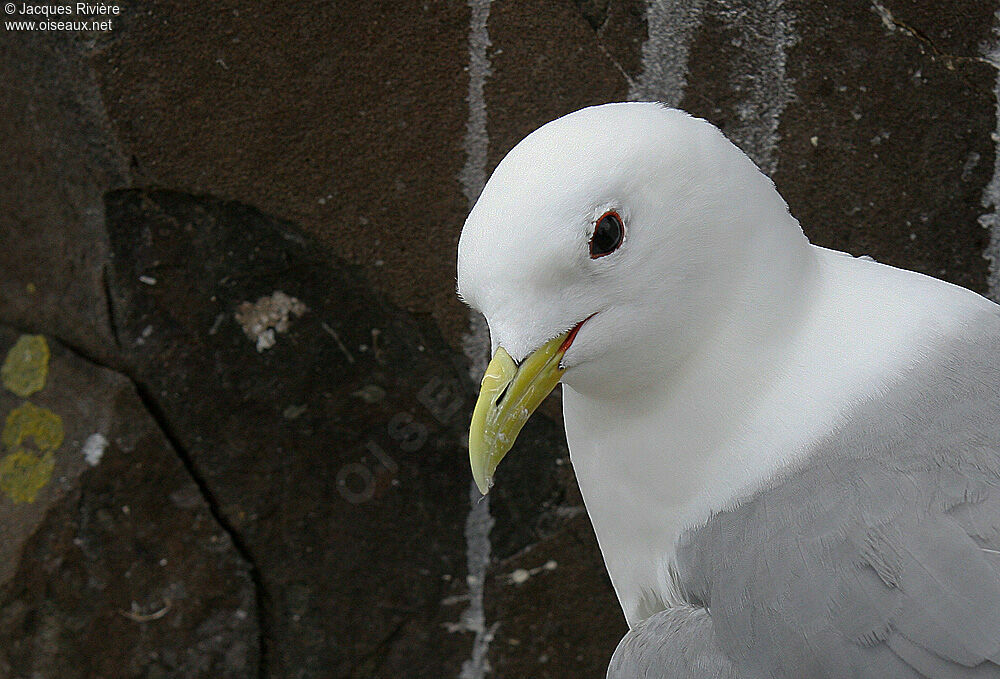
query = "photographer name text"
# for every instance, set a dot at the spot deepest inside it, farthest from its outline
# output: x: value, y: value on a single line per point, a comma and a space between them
x: 81, y: 8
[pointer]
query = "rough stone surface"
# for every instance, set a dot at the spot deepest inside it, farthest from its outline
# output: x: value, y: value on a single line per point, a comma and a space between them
x: 336, y: 453
x: 115, y: 567
x: 568, y: 629
x: 58, y: 158
x: 345, y: 117
x: 549, y: 61
x: 903, y: 124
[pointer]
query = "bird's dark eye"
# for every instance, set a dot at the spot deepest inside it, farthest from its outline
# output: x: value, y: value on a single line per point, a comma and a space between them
x: 608, y: 235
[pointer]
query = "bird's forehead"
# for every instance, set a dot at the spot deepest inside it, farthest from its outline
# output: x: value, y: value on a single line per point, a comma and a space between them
x: 546, y: 188
x: 530, y: 224
x: 523, y: 243
x: 567, y: 168
x: 531, y: 216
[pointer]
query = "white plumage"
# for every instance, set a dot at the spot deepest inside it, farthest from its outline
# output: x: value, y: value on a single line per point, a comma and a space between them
x: 719, y: 347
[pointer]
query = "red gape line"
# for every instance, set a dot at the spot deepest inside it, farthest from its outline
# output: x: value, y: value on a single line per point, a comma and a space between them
x: 572, y: 334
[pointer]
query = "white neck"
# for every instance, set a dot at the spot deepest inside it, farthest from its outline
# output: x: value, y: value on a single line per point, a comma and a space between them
x: 745, y: 407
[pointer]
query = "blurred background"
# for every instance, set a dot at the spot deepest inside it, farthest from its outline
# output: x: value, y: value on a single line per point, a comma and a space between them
x: 236, y: 378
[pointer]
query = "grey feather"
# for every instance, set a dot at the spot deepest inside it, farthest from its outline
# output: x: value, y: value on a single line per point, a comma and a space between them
x: 878, y: 557
x: 677, y: 643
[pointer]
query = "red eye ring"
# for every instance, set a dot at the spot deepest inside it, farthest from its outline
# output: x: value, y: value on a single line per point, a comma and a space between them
x: 608, y: 236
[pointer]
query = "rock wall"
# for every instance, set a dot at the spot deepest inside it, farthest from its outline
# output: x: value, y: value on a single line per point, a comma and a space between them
x: 236, y: 376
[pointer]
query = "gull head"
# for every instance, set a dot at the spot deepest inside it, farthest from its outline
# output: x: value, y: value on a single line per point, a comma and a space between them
x: 605, y: 248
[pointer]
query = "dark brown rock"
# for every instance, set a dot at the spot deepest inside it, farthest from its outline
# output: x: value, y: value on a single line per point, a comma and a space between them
x: 346, y: 118
x: 335, y: 448
x: 902, y: 122
x: 59, y: 157
x: 547, y: 61
x: 552, y: 604
x: 885, y: 148
x: 113, y: 565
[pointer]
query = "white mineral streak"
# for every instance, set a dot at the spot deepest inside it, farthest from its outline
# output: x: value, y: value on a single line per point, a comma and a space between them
x: 764, y: 32
x: 478, y: 523
x: 991, y: 194
x: 671, y: 25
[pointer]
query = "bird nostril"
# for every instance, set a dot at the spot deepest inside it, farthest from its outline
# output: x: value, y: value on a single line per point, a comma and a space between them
x: 502, y: 394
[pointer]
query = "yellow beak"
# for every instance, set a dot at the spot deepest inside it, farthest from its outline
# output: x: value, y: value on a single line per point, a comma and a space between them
x: 509, y: 395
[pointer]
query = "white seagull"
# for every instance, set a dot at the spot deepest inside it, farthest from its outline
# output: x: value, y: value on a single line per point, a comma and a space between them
x: 790, y: 456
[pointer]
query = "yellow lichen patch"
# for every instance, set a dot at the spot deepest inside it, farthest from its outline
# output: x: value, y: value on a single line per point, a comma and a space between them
x: 26, y: 366
x: 42, y: 426
x: 23, y: 474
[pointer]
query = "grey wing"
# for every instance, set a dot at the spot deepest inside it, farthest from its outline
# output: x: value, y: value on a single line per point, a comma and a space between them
x: 678, y: 643
x: 880, y: 556
x: 937, y: 595
x: 858, y: 570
